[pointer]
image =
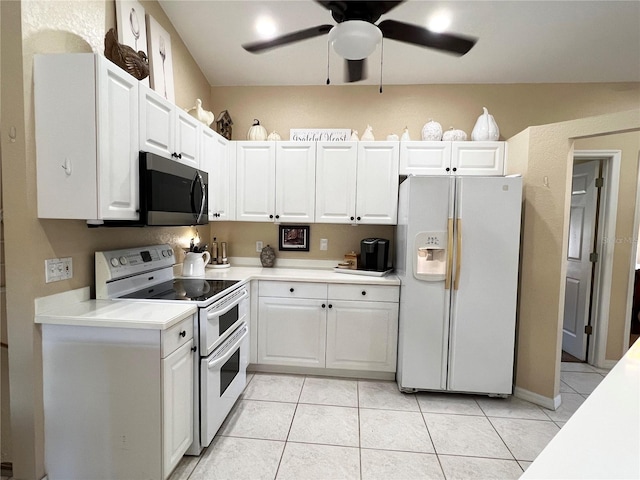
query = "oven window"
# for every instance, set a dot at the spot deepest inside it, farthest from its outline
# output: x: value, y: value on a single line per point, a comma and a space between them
x: 228, y: 319
x: 229, y: 371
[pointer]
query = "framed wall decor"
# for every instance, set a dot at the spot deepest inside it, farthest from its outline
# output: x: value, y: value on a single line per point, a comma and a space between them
x: 132, y: 27
x: 160, y: 59
x: 294, y: 238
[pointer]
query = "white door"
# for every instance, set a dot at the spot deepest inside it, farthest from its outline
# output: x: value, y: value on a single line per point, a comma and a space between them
x: 157, y: 126
x: 582, y: 222
x: 425, y: 158
x: 485, y: 280
x: 118, y: 143
x: 336, y: 164
x: 177, y: 405
x: 292, y: 331
x: 477, y: 158
x: 362, y: 335
x: 215, y: 160
x: 255, y: 181
x: 187, y: 138
x: 377, y: 185
x: 295, y: 181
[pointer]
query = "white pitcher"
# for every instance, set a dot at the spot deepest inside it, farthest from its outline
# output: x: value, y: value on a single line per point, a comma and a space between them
x: 486, y: 128
x: 194, y: 263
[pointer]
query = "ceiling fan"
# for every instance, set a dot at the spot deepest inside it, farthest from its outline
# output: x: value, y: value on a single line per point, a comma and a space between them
x: 356, y: 34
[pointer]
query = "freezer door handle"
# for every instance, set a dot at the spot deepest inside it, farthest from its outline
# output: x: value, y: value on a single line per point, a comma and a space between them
x: 447, y: 281
x: 458, y: 253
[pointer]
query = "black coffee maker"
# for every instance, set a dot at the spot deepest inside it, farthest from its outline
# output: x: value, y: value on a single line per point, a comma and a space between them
x: 374, y: 254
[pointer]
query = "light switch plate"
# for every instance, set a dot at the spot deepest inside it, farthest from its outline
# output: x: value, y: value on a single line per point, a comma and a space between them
x: 324, y: 244
x: 259, y: 246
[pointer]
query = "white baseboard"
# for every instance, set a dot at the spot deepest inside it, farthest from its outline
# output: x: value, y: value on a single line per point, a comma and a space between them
x: 609, y: 364
x: 546, y: 402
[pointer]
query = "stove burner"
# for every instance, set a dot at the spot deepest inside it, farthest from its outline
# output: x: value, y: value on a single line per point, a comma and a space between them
x: 189, y: 289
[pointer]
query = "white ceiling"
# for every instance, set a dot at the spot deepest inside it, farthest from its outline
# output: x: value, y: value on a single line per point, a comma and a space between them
x: 519, y: 42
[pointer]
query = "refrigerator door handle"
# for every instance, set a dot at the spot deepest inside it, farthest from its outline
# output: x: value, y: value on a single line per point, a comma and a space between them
x: 447, y: 281
x: 458, y: 253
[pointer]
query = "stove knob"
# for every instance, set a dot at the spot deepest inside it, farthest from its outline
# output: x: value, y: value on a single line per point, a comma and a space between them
x: 115, y: 262
x: 169, y: 253
x: 123, y: 260
x: 164, y: 253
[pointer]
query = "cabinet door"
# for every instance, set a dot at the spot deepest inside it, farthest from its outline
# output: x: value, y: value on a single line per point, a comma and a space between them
x: 336, y: 164
x: 478, y: 158
x: 377, y: 185
x: 157, y: 126
x: 215, y: 160
x: 117, y: 94
x: 177, y: 406
x: 255, y: 181
x: 425, y: 158
x: 187, y: 144
x: 291, y: 331
x: 295, y: 181
x: 362, y: 335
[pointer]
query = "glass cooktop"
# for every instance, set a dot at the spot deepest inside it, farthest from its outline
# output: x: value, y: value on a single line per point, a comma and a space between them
x: 189, y: 289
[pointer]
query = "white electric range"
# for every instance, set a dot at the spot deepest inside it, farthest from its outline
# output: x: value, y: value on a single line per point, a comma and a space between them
x: 221, y: 327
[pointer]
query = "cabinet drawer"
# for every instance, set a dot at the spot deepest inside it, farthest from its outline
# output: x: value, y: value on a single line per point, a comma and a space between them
x: 293, y: 289
x: 371, y: 293
x: 176, y: 336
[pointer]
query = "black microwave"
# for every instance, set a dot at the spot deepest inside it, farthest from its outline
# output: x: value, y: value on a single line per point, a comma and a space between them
x: 172, y: 193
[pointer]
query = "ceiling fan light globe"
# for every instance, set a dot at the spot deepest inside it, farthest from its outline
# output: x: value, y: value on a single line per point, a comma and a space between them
x: 355, y: 39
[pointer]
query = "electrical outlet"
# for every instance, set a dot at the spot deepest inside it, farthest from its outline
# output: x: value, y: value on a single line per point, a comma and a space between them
x: 56, y: 269
x: 259, y: 246
x: 324, y: 244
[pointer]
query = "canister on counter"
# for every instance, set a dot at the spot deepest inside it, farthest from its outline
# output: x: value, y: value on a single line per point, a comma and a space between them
x: 352, y: 259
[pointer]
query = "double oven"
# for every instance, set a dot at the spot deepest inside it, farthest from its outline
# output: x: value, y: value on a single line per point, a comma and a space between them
x: 221, y: 325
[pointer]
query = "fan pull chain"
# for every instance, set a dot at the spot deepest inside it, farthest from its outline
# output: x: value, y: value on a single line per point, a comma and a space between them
x: 381, y: 57
x: 328, y: 81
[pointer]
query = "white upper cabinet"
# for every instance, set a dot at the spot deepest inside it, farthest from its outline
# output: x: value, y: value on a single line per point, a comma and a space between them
x: 377, y: 184
x: 255, y: 181
x: 217, y: 159
x: 275, y: 181
x: 336, y: 164
x: 167, y: 130
x: 357, y: 182
x: 452, y: 158
x: 86, y: 117
x: 295, y: 181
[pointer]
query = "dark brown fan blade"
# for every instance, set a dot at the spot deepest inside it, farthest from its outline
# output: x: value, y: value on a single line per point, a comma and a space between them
x: 259, y: 47
x: 369, y: 11
x: 404, y: 32
x: 355, y: 70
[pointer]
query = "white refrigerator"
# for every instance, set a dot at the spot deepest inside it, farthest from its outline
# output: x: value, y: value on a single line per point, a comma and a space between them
x: 457, y: 255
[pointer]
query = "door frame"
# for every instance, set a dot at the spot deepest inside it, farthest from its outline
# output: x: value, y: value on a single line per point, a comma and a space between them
x: 603, y: 277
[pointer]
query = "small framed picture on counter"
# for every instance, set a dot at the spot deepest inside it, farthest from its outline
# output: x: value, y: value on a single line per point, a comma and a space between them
x: 294, y: 238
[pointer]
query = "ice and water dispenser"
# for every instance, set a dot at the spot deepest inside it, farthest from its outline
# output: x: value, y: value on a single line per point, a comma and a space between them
x: 430, y: 256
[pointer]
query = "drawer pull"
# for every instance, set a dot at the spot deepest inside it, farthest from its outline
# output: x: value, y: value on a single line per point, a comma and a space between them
x: 291, y: 289
x: 183, y: 333
x: 194, y: 348
x: 323, y: 305
x: 364, y: 292
x: 330, y: 306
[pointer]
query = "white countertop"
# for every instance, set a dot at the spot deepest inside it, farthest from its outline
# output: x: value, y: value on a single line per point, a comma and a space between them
x: 602, y: 439
x: 294, y: 274
x: 118, y: 314
x: 75, y: 308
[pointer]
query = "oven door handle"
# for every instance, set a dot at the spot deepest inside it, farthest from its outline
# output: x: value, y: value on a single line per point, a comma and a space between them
x: 229, y: 349
x: 217, y: 313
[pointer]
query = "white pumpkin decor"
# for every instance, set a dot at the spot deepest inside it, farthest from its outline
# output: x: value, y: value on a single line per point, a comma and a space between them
x: 257, y: 131
x: 432, y: 131
x: 368, y: 134
x: 486, y: 128
x: 392, y: 137
x: 405, y: 135
x: 354, y: 136
x: 454, y: 135
x: 274, y: 136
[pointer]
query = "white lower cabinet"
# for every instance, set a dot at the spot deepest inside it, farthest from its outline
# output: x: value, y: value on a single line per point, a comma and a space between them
x: 118, y: 402
x: 328, y: 325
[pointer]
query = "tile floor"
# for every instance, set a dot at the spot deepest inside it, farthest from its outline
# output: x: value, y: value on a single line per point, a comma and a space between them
x: 304, y: 427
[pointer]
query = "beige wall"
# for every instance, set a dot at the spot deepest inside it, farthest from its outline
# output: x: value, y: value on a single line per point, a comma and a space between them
x: 547, y: 152
x: 55, y: 26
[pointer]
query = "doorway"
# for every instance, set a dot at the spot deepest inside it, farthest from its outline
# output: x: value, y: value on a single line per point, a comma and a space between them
x: 598, y: 276
x: 582, y: 256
